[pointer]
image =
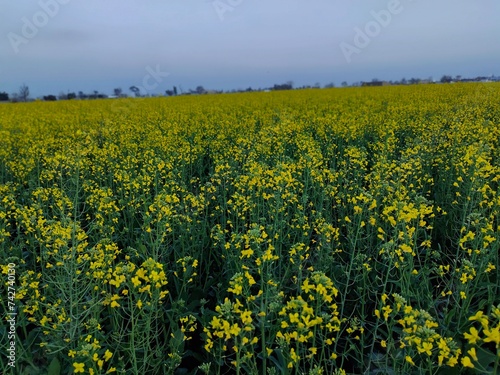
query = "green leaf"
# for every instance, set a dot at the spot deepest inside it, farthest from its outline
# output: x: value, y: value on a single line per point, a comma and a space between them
x: 485, y: 357
x: 279, y: 360
x: 177, y: 339
x: 446, y: 370
x: 54, y: 367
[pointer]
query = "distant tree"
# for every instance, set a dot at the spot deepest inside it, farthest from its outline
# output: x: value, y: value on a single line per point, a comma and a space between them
x: 4, y: 97
x: 71, y: 96
x: 375, y: 80
x: 458, y: 78
x: 200, y: 90
x: 62, y: 96
x: 175, y: 90
x: 414, y: 81
x: 118, y: 91
x: 344, y: 84
x: 14, y: 97
x: 284, y: 86
x: 50, y: 98
x: 404, y: 81
x: 446, y: 79
x: 169, y: 92
x: 135, y: 90
x: 81, y: 95
x: 330, y: 85
x: 317, y: 85
x: 24, y: 93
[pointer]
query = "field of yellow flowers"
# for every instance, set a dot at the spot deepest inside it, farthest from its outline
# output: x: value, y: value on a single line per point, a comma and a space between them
x: 340, y: 231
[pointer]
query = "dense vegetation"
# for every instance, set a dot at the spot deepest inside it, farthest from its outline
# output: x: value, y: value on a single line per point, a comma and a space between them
x: 329, y: 231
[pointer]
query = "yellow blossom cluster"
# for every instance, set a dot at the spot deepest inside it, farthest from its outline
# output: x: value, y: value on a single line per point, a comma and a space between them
x: 256, y: 232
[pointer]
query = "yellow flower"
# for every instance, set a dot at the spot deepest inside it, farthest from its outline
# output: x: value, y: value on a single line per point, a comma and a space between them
x: 496, y: 312
x: 107, y: 355
x: 466, y: 362
x: 78, y: 367
x: 493, y: 335
x: 472, y: 353
x: 209, y: 345
x: 294, y: 356
x: 426, y: 348
x: 142, y: 274
x: 479, y: 316
x: 247, y: 253
x: 387, y: 311
x: 146, y: 288
x: 406, y: 248
x: 306, y: 287
x: 409, y: 360
x: 473, y: 336
x: 452, y: 361
x: 44, y: 320
x: 384, y: 297
x: 490, y: 268
x: 136, y: 281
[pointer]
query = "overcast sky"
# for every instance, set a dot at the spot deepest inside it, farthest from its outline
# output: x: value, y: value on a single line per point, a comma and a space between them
x: 86, y: 45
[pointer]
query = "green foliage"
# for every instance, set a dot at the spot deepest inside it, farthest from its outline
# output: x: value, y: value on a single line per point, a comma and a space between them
x: 303, y: 232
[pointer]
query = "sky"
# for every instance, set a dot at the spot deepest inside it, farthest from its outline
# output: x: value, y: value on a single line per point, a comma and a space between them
x: 56, y: 46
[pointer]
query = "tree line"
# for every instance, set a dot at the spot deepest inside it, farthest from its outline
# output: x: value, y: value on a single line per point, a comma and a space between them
x: 23, y: 94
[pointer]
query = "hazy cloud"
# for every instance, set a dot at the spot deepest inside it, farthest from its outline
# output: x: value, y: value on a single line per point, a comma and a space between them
x: 95, y: 44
